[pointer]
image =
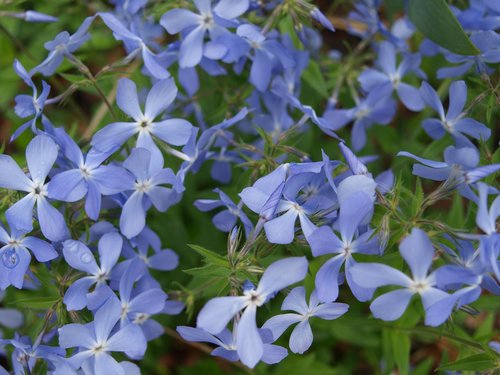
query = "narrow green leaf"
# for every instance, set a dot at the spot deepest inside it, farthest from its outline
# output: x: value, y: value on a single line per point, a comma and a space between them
x: 210, y: 256
x: 476, y: 362
x: 314, y: 78
x: 37, y: 303
x: 419, y: 196
x: 437, y: 22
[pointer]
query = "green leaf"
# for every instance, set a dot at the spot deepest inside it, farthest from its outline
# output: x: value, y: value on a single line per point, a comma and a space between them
x: 314, y: 78
x: 38, y: 303
x: 456, y: 214
x: 476, y: 362
x: 419, y: 196
x: 437, y: 22
x: 210, y: 256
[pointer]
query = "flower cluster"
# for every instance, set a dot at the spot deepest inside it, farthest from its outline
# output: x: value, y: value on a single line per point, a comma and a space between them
x: 83, y: 204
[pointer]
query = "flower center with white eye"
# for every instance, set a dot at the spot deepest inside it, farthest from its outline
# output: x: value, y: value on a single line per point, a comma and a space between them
x: 101, y: 277
x: 14, y: 242
x: 145, y: 259
x: 140, y: 318
x: 448, y: 125
x: 125, y: 308
x: 254, y: 298
x: 347, y: 249
x: 309, y: 191
x: 395, y: 80
x: 143, y: 186
x: 39, y: 190
x: 362, y: 113
x: 99, y: 348
x: 85, y: 171
x: 419, y: 286
x: 255, y: 45
x: 207, y: 21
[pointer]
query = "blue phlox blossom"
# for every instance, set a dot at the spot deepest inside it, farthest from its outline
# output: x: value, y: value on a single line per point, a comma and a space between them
x: 417, y: 251
x: 217, y: 313
x: 377, y: 108
x: 302, y: 336
x: 135, y: 45
x: 96, y: 340
x: 454, y: 120
x: 63, y: 45
x: 226, y: 219
x: 81, y: 258
x: 266, y: 51
x: 358, y: 208
x: 227, y: 345
x: 146, y: 190
x: 41, y: 155
x: 15, y: 255
x: 479, y: 16
x: 26, y: 352
x: 195, y: 26
x: 389, y: 73
x: 488, y: 44
x: 460, y: 164
x: 33, y: 16
x: 86, y: 176
x: 29, y: 105
x: 172, y: 131
x: 137, y: 306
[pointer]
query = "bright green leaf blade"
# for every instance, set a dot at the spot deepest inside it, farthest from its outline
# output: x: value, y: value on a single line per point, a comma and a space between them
x: 436, y: 21
x: 477, y: 362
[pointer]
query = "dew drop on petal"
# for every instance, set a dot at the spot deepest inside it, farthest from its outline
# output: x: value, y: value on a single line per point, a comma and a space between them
x: 86, y: 258
x: 10, y: 259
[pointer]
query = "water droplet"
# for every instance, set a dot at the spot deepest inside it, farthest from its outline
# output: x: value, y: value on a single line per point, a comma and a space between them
x: 86, y: 258
x: 10, y: 259
x: 73, y: 247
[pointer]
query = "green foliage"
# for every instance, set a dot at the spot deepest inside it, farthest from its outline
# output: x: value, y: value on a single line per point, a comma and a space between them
x: 436, y: 21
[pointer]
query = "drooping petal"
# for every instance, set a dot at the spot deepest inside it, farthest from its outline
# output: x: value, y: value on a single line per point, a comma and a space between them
x: 217, y: 313
x: 176, y: 20
x: 20, y: 214
x: 127, y: 99
x: 249, y: 343
x: 41, y: 155
x: 374, y: 275
x: 43, y: 250
x: 11, y: 176
x: 110, y: 247
x: 392, y: 305
x: 113, y: 135
x: 281, y: 230
x: 191, y: 49
x: 51, y: 221
x: 161, y: 95
x: 329, y: 311
x: 281, y: 274
x: 175, y: 132
x: 197, y: 335
x: 301, y: 337
x: 133, y: 217
x: 417, y: 251
x: 279, y: 324
x: 327, y: 284
x: 75, y: 297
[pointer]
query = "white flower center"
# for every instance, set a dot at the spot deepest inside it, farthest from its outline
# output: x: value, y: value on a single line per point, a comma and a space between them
x: 254, y: 298
x: 143, y: 186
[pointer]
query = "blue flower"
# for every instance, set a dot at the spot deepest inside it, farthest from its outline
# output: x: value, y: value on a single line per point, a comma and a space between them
x: 377, y: 108
x: 79, y: 257
x: 86, y: 176
x: 417, y: 251
x: 146, y: 189
x: 302, y: 337
x: 95, y: 341
x: 29, y: 106
x: 454, y: 121
x: 488, y: 43
x: 62, y: 46
x: 390, y: 74
x: 460, y: 164
x: 227, y: 344
x: 196, y: 26
x: 355, y: 210
x: 225, y: 220
x: 136, y: 45
x: 217, y: 313
x: 172, y: 131
x: 41, y: 154
x: 16, y: 258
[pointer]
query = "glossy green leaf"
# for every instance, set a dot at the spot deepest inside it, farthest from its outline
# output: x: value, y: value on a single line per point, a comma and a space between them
x: 437, y: 22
